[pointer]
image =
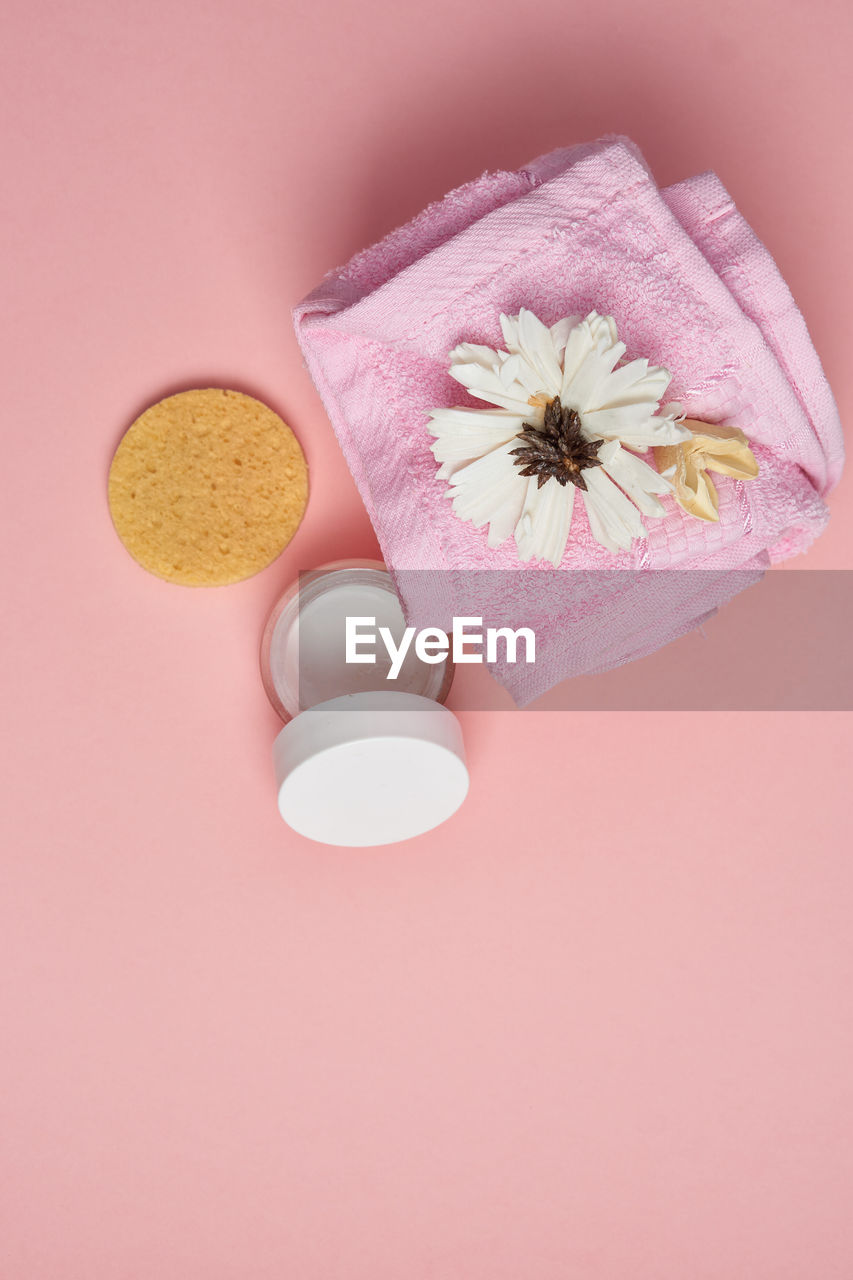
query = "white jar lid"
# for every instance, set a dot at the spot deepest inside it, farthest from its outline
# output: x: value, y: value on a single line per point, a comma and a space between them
x: 370, y: 768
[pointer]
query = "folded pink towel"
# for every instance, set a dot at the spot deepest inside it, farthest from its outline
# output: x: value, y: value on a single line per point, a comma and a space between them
x: 690, y: 287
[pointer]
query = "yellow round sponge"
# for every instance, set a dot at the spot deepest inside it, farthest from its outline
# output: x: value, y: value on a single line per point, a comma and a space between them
x: 207, y: 487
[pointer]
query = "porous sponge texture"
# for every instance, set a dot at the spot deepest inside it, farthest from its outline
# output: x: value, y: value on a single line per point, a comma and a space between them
x: 207, y: 487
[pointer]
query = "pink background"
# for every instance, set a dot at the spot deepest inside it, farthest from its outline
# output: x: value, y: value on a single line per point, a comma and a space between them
x: 598, y: 1026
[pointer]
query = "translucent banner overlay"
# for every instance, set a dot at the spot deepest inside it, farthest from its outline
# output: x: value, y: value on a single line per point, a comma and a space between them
x: 606, y: 640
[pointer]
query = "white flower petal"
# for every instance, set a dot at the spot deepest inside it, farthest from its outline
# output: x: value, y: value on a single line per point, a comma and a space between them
x: 560, y: 334
x: 538, y: 346
x: 634, y: 425
x: 608, y: 452
x: 586, y: 389
x: 636, y: 478
x: 543, y: 529
x: 486, y: 384
x: 637, y: 382
x: 613, y: 519
x: 599, y: 527
x: 595, y: 333
x: 465, y: 434
x: 672, y: 410
x: 463, y: 420
x: 490, y: 491
x: 509, y: 329
x: 474, y: 353
x: 529, y: 342
x: 519, y: 369
x: 591, y: 355
x: 509, y: 369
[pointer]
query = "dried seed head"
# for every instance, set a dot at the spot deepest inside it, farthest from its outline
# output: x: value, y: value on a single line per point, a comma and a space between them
x: 558, y: 448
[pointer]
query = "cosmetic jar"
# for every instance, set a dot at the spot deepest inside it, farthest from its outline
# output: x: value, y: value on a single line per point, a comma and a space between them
x: 362, y: 759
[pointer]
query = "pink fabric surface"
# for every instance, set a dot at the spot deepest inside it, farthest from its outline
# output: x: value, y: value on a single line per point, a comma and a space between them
x: 690, y: 286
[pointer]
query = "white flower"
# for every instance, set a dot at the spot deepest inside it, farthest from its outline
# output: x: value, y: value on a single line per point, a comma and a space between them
x: 573, y: 366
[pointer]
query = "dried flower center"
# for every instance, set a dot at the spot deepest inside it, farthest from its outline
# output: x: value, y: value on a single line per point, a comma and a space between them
x: 558, y: 448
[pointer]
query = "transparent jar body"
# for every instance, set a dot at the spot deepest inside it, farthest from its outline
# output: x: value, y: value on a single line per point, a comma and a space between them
x: 303, y: 653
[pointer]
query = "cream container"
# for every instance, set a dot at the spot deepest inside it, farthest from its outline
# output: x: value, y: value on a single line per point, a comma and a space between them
x: 362, y: 759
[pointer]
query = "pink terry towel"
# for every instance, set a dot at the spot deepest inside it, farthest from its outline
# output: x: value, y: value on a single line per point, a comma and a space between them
x: 690, y: 287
